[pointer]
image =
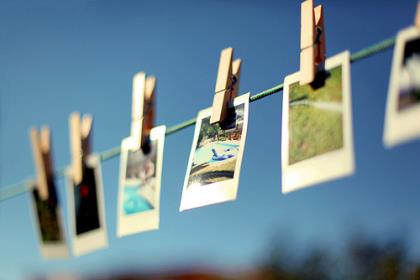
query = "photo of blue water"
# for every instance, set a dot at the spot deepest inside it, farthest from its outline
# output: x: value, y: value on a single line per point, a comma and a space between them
x: 214, y: 153
x: 133, y: 201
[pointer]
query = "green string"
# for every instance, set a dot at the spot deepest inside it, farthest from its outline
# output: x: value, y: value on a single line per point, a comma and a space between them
x: 22, y: 187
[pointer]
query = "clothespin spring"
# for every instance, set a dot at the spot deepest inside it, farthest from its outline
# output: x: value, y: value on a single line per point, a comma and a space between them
x: 317, y: 39
x: 234, y: 79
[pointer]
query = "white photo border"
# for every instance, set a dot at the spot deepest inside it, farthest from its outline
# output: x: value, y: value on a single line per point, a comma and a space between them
x: 328, y: 166
x: 193, y: 197
x: 401, y: 126
x: 146, y: 220
x: 95, y: 239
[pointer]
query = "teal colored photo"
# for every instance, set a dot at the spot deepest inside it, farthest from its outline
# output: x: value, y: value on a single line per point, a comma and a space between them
x: 139, y: 192
x: 134, y: 202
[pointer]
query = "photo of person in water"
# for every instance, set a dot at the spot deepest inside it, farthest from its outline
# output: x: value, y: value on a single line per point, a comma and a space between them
x: 214, y: 164
x: 217, y: 149
x: 140, y: 181
x: 139, y: 186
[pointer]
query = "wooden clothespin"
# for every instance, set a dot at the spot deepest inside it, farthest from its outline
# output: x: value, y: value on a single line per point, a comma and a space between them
x: 80, y: 133
x: 312, y: 41
x: 417, y: 19
x: 143, y: 108
x: 227, y: 85
x: 41, y: 149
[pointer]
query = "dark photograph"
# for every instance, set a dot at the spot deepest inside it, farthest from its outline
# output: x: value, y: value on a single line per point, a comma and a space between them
x: 409, y: 78
x: 86, y: 203
x: 47, y: 214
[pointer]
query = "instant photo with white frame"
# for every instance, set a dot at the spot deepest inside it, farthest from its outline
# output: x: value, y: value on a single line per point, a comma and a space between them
x: 216, y: 155
x: 403, y: 104
x: 48, y: 221
x: 87, y: 209
x: 140, y: 182
x: 317, y: 138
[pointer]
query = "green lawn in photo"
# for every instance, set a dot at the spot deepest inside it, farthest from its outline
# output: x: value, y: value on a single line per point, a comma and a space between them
x: 315, y: 118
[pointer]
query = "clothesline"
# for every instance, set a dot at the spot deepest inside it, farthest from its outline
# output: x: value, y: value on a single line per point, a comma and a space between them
x: 16, y: 189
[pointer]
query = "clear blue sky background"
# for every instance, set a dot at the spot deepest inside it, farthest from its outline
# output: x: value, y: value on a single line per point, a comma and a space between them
x: 60, y: 56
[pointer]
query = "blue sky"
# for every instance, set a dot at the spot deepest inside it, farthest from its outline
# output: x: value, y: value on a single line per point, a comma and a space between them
x: 61, y: 56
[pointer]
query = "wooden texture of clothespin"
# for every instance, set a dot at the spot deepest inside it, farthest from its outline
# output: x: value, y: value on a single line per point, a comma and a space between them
x: 41, y: 150
x: 417, y: 19
x: 143, y: 108
x: 227, y: 85
x: 312, y: 41
x: 80, y: 133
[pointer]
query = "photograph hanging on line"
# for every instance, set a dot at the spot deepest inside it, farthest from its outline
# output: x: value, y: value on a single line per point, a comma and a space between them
x: 87, y: 209
x: 140, y: 181
x: 86, y: 203
x: 139, y: 188
x: 403, y: 104
x: 215, y: 160
x: 317, y: 136
x: 48, y: 222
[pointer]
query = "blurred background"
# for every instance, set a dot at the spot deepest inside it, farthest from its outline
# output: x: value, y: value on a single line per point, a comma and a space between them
x: 60, y: 56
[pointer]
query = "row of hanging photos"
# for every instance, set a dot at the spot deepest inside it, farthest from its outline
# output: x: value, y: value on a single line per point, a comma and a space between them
x: 316, y: 143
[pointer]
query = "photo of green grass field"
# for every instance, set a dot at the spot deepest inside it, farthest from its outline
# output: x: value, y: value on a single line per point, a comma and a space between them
x: 315, y: 118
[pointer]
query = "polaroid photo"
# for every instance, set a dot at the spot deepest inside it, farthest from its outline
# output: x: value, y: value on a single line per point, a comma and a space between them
x: 216, y: 155
x: 87, y: 209
x: 317, y: 138
x: 48, y: 221
x: 403, y: 104
x: 139, y: 187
